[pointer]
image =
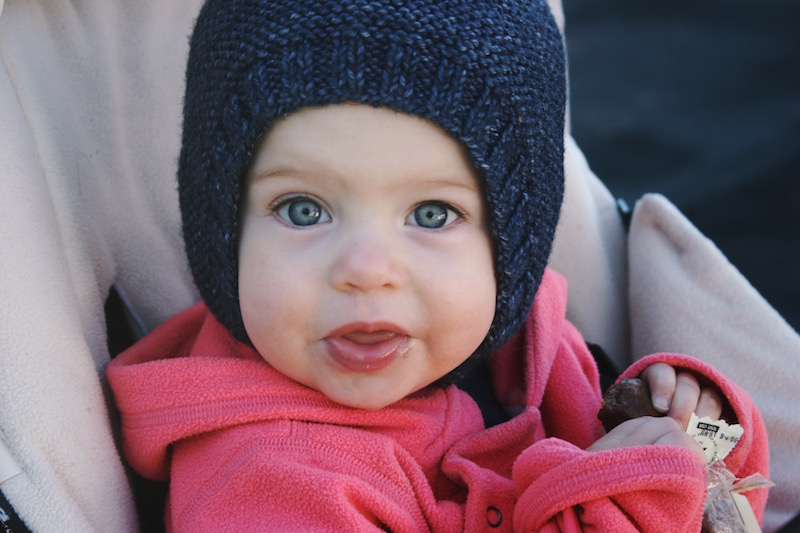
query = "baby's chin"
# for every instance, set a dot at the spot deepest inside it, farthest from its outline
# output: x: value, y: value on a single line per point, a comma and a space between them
x: 372, y: 397
x: 367, y: 402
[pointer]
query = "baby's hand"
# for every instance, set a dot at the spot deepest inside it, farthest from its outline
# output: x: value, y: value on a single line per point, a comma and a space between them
x: 678, y: 394
x: 648, y: 430
x: 675, y: 394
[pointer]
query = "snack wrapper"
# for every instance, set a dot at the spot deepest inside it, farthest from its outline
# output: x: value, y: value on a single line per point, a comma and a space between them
x: 726, y: 510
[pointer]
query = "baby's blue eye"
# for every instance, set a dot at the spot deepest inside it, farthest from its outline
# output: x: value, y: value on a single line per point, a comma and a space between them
x: 302, y: 212
x: 432, y: 215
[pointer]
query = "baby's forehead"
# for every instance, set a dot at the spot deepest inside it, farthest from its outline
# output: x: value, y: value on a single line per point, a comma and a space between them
x: 351, y: 139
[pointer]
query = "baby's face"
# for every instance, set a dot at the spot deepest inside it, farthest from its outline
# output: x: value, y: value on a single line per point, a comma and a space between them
x: 365, y: 265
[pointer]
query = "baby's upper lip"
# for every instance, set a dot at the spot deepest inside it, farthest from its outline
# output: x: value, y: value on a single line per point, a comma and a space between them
x: 368, y: 332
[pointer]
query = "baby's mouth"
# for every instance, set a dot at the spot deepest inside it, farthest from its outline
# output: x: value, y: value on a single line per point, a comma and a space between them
x: 368, y: 349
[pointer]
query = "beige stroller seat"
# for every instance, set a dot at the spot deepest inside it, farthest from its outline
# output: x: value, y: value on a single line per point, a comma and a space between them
x: 90, y: 111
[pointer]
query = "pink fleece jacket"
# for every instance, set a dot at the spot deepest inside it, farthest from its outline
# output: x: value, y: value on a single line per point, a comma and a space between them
x: 247, y: 449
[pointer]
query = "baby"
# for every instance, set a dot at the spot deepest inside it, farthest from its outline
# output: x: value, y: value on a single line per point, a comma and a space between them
x: 369, y: 193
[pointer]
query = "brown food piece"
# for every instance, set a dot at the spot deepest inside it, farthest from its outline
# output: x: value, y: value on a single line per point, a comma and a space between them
x: 707, y: 527
x: 630, y: 398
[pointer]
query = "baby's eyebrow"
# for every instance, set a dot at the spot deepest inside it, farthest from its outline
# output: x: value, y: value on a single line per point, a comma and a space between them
x: 446, y: 184
x: 455, y: 182
x: 433, y: 181
x: 275, y: 172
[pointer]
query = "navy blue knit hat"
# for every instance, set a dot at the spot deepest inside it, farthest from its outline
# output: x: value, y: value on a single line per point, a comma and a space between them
x: 491, y: 73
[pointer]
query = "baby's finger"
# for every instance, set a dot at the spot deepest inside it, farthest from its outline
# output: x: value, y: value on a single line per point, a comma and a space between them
x: 709, y: 404
x: 636, y: 432
x: 650, y: 430
x: 661, y: 379
x: 684, y: 402
x: 683, y: 439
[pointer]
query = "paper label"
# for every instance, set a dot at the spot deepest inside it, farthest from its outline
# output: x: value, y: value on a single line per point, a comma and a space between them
x: 716, y: 437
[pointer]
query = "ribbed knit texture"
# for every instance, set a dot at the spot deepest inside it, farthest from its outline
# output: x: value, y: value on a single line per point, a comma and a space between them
x: 491, y: 74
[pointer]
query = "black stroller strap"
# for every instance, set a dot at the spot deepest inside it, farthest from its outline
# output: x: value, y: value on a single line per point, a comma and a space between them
x: 10, y: 522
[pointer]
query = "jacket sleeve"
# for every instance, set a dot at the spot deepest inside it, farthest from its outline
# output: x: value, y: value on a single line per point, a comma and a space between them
x: 643, y: 488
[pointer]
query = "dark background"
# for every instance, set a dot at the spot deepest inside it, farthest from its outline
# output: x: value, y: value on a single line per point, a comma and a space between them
x: 700, y: 101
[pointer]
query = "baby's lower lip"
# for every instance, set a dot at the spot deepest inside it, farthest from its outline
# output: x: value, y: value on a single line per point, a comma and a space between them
x: 366, y: 352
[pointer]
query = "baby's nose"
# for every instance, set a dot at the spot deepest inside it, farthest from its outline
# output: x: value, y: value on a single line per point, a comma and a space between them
x: 365, y: 262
